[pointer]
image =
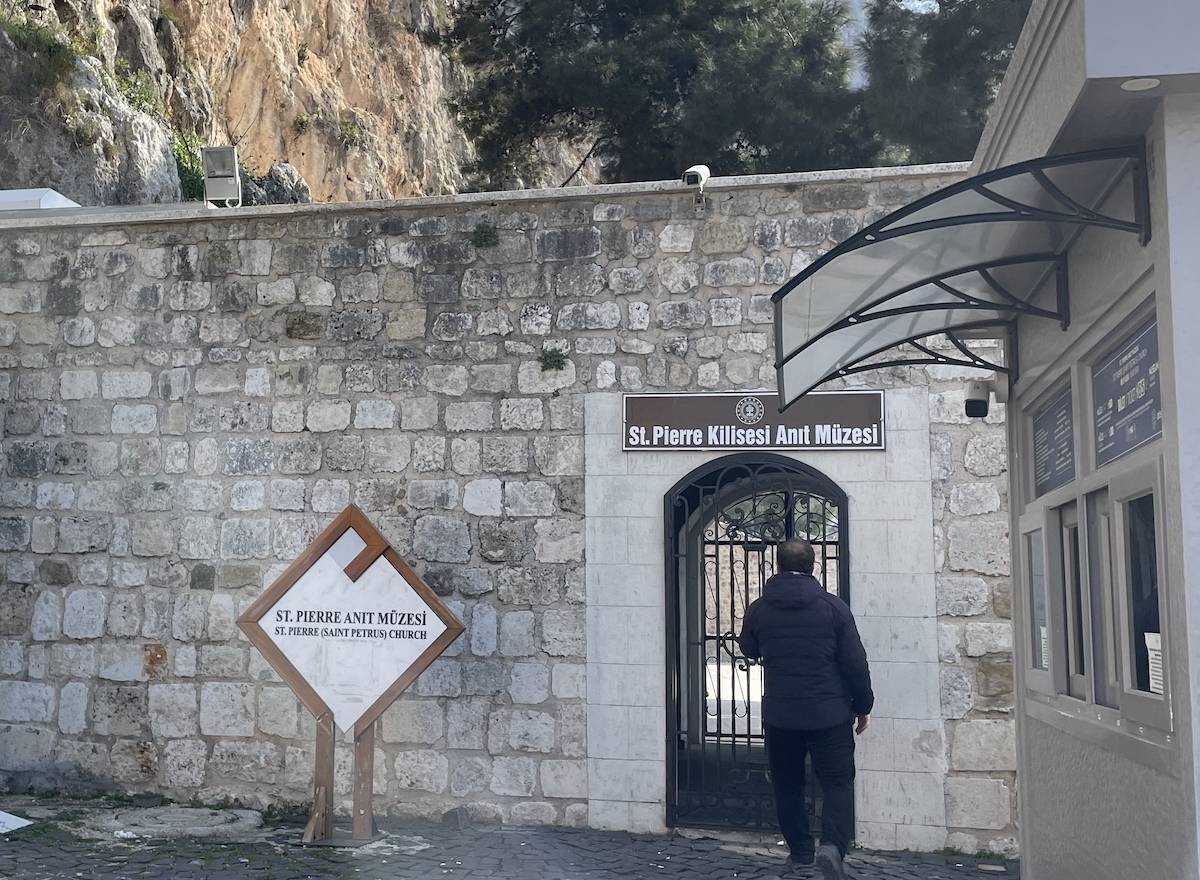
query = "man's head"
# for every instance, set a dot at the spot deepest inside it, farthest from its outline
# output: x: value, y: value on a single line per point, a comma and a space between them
x: 795, y: 555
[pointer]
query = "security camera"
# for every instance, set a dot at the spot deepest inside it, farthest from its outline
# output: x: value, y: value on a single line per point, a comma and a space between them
x: 978, y: 397
x: 697, y: 176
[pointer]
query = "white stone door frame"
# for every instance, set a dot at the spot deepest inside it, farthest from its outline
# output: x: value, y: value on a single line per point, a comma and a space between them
x: 901, y: 760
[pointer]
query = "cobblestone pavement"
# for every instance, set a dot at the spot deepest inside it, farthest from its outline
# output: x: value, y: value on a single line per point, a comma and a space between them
x: 58, y: 848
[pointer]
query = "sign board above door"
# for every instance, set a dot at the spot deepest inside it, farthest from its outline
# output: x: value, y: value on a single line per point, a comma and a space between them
x: 750, y: 420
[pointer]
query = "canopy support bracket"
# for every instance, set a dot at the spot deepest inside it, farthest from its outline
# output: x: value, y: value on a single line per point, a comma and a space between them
x: 1063, y: 293
x: 917, y: 278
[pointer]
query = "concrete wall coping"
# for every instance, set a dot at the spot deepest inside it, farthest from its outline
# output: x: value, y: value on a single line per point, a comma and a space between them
x: 108, y: 216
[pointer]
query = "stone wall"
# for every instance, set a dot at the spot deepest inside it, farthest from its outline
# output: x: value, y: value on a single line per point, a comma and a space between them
x: 190, y: 397
x: 969, y: 468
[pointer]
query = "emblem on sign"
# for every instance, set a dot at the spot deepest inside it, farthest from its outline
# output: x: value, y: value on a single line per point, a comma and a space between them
x: 348, y: 626
x: 750, y: 410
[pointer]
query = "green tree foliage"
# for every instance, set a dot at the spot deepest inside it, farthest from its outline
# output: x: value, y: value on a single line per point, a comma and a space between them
x: 933, y: 71
x: 746, y: 86
x: 186, y: 150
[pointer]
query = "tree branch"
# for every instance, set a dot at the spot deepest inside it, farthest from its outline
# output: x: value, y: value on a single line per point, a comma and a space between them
x: 582, y: 162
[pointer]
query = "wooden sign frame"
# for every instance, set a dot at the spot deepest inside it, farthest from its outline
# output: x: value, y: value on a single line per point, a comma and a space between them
x: 320, y: 825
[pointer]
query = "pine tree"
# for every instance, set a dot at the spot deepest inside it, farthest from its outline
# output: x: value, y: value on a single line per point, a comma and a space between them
x: 747, y: 86
x: 932, y: 72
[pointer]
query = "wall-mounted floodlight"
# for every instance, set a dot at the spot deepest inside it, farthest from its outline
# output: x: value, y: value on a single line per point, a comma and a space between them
x: 222, y: 185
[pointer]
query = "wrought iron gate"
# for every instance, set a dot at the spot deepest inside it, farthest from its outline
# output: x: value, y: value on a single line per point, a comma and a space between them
x: 723, y: 522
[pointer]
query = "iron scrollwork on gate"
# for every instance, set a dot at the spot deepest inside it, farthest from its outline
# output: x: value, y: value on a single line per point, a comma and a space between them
x: 723, y: 523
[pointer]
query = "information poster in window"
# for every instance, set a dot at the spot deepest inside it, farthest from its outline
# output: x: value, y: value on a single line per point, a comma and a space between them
x: 1154, y: 650
x: 1126, y: 399
x: 1053, y: 445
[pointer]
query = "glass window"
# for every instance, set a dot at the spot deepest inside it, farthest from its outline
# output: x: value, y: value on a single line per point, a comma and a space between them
x: 1142, y: 586
x: 1073, y: 581
x: 1070, y: 599
x: 1040, y: 634
x: 1106, y: 677
x: 1075, y: 594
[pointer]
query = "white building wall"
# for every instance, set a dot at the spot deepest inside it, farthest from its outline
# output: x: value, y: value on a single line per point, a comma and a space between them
x: 902, y: 757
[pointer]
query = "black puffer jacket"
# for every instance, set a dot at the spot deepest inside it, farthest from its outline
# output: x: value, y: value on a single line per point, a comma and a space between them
x: 816, y: 668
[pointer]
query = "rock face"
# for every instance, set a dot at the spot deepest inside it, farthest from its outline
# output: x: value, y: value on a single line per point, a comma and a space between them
x: 330, y: 101
x: 93, y: 147
x: 343, y: 90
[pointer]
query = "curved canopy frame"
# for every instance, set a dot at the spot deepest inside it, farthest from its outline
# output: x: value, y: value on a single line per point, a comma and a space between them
x: 965, y: 261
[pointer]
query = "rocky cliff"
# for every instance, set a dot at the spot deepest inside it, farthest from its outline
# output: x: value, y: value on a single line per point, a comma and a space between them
x: 107, y: 100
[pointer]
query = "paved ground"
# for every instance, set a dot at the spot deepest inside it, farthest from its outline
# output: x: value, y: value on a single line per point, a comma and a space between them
x: 59, y: 846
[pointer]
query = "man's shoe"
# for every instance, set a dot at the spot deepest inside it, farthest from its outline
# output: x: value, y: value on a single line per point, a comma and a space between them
x: 801, y: 859
x: 829, y: 860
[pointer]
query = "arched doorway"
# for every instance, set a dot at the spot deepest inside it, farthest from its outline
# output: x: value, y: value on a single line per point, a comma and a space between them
x: 723, y: 521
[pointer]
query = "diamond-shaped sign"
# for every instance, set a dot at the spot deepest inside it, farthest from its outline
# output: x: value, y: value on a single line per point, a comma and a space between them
x: 349, y: 625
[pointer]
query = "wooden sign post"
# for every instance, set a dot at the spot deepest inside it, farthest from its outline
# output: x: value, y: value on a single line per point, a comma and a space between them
x: 348, y: 626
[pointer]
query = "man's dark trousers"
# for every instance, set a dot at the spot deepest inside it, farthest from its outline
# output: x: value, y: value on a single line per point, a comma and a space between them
x: 832, y: 750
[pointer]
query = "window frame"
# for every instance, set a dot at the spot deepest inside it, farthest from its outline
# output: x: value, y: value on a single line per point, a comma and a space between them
x: 1071, y: 579
x: 1142, y: 707
x: 1110, y: 674
x: 1069, y: 701
x: 1042, y: 515
x: 1036, y: 677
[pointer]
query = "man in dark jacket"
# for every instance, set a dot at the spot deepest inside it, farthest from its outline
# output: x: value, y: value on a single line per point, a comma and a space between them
x: 817, y: 694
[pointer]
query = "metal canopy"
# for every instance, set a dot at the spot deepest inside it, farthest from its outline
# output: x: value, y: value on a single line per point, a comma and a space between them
x: 962, y: 262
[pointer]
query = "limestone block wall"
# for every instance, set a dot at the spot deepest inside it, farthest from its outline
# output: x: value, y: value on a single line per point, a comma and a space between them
x: 970, y: 508
x: 187, y: 398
